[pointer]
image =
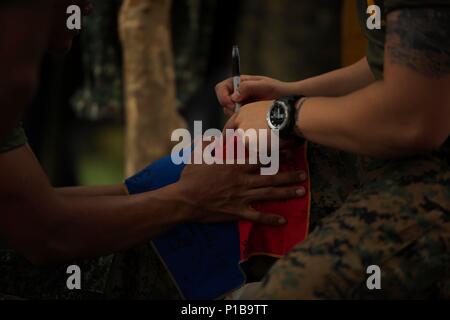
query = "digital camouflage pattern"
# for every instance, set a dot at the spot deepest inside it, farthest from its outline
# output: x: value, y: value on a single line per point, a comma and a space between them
x: 140, y: 274
x: 134, y: 274
x: 397, y: 218
x: 21, y: 280
x: 333, y: 177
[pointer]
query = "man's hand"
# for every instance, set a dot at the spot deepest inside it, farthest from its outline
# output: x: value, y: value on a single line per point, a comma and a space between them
x: 252, y: 89
x: 225, y: 192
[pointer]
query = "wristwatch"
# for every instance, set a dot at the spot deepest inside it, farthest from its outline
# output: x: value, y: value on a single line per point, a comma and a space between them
x: 281, y: 116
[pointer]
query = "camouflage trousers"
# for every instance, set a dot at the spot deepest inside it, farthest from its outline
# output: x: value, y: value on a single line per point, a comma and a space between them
x: 391, y: 214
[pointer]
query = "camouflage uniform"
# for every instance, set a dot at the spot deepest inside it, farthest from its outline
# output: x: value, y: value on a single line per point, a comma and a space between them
x: 398, y: 218
x: 21, y: 280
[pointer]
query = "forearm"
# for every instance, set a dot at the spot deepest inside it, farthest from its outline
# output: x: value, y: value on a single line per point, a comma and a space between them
x: 46, y: 226
x: 66, y: 228
x: 336, y: 83
x: 111, y: 190
x: 125, y: 221
x: 379, y: 120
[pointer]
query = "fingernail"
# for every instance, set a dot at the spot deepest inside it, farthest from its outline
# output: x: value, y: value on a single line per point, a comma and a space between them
x: 282, y: 221
x: 236, y: 96
x: 302, y: 176
x: 300, y: 192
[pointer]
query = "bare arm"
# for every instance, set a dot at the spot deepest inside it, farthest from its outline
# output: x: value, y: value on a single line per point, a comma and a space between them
x: 111, y: 190
x: 46, y: 227
x: 335, y: 83
x: 406, y: 113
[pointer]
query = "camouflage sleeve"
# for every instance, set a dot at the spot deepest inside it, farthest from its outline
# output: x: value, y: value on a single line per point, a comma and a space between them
x: 399, y: 221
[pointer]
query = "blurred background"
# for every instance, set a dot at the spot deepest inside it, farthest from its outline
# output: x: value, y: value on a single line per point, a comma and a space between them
x: 142, y: 68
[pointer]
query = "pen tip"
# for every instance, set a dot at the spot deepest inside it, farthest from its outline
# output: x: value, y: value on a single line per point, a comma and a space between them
x: 236, y: 62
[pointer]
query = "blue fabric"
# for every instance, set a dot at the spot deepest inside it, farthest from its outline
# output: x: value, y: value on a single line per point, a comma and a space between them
x: 203, y: 259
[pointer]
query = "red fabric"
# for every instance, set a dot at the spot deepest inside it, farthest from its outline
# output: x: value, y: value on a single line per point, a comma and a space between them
x: 257, y: 239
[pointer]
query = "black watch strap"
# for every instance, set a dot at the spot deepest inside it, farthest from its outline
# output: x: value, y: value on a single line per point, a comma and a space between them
x: 290, y: 100
x: 289, y: 131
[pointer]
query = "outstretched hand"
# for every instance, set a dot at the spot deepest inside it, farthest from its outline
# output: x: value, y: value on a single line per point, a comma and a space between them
x: 224, y: 192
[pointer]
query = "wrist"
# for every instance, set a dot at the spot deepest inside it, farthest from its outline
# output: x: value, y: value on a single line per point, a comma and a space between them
x: 290, y: 89
x: 281, y: 116
x: 185, y: 204
x: 298, y: 108
x: 176, y: 201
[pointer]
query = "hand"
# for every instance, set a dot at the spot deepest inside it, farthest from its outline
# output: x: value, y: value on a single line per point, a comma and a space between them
x: 225, y: 192
x: 252, y: 89
x: 251, y: 116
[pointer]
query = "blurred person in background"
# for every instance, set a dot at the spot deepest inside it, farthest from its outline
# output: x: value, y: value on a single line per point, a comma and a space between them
x: 392, y: 108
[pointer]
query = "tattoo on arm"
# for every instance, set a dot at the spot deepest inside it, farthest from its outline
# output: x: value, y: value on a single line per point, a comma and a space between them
x: 419, y: 39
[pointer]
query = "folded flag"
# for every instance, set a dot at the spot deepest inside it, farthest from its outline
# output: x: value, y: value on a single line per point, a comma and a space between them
x: 258, y: 239
x: 204, y: 260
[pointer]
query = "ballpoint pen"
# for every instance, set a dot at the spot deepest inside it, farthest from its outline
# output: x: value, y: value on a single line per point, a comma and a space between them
x: 236, y: 74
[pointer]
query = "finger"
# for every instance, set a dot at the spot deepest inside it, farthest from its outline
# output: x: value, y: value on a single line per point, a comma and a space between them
x: 247, y: 89
x: 224, y: 90
x: 228, y: 112
x: 285, y: 178
x: 263, y: 218
x: 276, y: 193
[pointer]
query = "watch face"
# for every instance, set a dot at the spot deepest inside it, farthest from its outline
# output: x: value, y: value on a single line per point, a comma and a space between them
x: 278, y: 116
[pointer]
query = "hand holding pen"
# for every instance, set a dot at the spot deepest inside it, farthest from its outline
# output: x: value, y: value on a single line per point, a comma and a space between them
x: 239, y: 89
